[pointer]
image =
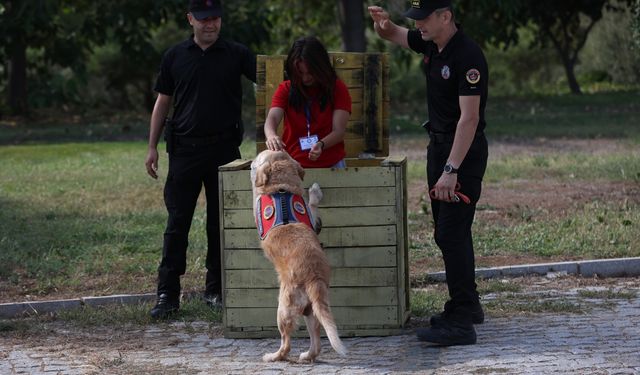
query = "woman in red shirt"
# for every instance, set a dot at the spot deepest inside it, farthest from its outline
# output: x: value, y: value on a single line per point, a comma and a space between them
x: 316, y: 106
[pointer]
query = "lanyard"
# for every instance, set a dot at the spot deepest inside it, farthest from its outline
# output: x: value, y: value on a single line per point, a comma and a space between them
x: 307, y: 112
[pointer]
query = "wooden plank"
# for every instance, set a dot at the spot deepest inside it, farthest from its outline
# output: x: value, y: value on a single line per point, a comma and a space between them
x: 331, y: 217
x: 339, y: 257
x: 236, y: 165
x: 396, y: 160
x: 266, y: 316
x: 356, y: 94
x: 333, y: 197
x: 402, y: 235
x: 325, y: 177
x: 372, y: 111
x: 340, y: 277
x: 247, y: 238
x: 346, y: 60
x: 351, y: 177
x: 274, y: 67
x: 361, y: 296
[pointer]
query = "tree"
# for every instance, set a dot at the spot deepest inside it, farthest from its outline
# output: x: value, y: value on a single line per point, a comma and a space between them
x: 23, y: 24
x: 636, y: 23
x: 352, y: 25
x: 67, y: 30
x: 566, y: 25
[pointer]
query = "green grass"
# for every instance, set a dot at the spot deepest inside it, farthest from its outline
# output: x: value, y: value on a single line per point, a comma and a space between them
x: 623, y: 165
x: 608, y: 294
x: 74, y: 212
x: 190, y: 310
x: 595, y: 230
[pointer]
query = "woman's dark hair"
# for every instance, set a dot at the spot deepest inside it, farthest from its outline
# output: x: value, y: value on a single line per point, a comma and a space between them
x: 310, y: 50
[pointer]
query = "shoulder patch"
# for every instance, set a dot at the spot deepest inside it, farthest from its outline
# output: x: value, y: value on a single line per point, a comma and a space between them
x: 473, y: 76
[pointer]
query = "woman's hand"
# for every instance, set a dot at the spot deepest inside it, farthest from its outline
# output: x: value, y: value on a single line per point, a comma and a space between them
x: 275, y: 143
x: 316, y: 151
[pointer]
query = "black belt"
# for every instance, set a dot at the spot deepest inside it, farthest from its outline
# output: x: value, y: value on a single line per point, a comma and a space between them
x: 202, y: 141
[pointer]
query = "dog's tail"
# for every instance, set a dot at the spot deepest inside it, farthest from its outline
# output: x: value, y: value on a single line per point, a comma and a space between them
x: 319, y: 296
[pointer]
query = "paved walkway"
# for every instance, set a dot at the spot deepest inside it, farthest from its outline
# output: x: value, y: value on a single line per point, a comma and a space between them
x: 605, y: 340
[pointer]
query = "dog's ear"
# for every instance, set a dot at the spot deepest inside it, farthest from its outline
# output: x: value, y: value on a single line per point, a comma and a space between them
x: 262, y: 174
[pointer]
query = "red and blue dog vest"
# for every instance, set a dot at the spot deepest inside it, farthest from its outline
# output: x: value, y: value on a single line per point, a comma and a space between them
x: 279, y: 209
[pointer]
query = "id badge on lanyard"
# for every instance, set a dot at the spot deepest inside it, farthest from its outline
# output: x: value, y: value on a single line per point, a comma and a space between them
x: 306, y: 143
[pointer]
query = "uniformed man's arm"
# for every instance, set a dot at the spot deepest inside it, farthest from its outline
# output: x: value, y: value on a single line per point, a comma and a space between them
x: 160, y: 111
x: 466, y: 129
x: 386, y: 28
x: 465, y: 132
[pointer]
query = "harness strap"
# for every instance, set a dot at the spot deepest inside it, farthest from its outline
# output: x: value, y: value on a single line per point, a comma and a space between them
x: 281, y: 208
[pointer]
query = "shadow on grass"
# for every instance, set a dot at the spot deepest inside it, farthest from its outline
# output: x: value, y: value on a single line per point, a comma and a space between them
x: 51, y: 245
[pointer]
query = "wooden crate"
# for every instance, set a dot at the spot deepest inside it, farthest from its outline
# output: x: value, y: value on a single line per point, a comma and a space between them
x: 364, y: 214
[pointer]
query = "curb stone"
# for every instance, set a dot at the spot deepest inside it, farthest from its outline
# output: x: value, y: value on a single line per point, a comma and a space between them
x: 588, y: 268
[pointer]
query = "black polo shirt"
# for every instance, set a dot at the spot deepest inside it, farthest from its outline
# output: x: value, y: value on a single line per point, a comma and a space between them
x: 205, y: 85
x: 460, y: 69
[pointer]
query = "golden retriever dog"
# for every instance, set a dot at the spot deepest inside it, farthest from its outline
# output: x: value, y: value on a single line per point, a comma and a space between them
x: 294, y: 250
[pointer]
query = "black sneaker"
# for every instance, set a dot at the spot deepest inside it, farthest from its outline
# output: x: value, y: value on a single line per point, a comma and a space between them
x: 477, y: 315
x: 212, y: 299
x: 448, y: 333
x: 165, y: 307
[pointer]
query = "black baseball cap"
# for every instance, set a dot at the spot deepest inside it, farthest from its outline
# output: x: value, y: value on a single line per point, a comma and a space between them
x: 202, y: 9
x: 421, y: 9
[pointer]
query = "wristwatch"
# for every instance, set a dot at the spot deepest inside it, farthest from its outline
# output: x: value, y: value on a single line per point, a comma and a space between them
x: 449, y: 169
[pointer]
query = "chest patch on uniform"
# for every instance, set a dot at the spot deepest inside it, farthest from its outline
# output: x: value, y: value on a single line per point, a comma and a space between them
x: 281, y: 208
x: 473, y: 76
x: 445, y: 72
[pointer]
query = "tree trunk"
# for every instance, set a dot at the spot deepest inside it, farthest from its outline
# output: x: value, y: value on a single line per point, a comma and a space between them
x: 569, y: 68
x: 18, y: 79
x: 351, y: 14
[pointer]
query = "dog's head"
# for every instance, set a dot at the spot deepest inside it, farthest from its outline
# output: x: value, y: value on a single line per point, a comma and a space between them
x: 274, y: 170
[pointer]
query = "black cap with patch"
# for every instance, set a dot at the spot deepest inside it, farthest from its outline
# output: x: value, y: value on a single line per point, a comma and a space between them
x: 421, y: 9
x: 201, y: 9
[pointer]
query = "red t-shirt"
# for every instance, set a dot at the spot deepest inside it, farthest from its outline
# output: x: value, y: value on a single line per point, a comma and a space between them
x: 295, y: 124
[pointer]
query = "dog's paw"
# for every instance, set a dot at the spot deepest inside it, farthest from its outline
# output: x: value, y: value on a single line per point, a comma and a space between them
x: 306, y: 357
x: 272, y: 357
x: 315, y: 194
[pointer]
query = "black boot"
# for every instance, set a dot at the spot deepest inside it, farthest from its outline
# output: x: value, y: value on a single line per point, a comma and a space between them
x: 165, y: 307
x: 455, y: 328
x: 477, y: 314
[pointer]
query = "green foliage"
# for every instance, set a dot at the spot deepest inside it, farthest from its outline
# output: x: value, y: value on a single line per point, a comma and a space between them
x: 635, y: 24
x: 611, y: 34
x: 291, y: 19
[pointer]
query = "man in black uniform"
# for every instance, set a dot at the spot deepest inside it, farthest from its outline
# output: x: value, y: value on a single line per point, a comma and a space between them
x: 457, y: 81
x: 202, y: 78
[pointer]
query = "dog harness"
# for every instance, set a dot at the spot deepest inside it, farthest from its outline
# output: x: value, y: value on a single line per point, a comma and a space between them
x: 281, y: 208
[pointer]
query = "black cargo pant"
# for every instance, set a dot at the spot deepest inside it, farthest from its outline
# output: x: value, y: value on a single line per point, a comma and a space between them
x: 191, y: 167
x: 452, y: 221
